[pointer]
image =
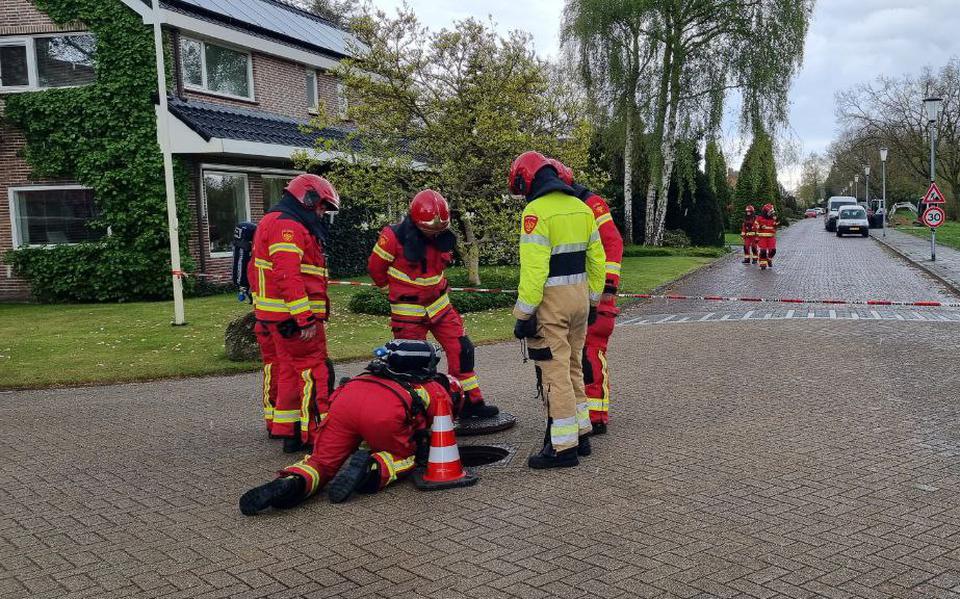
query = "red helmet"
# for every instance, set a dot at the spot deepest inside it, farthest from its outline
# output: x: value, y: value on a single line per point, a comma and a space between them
x: 523, y: 170
x: 429, y: 212
x: 750, y: 209
x: 767, y: 208
x: 565, y: 172
x: 312, y: 190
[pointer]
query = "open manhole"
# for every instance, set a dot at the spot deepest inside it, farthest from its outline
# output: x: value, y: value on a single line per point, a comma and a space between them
x: 473, y: 456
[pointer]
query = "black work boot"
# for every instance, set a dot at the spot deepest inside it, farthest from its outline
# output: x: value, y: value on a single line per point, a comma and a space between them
x: 292, y: 444
x: 548, y: 458
x: 583, y: 446
x: 599, y: 428
x: 358, y: 474
x: 746, y: 260
x: 279, y: 493
x: 478, y: 410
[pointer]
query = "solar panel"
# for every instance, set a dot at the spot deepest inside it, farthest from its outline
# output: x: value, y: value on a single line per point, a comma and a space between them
x: 277, y: 18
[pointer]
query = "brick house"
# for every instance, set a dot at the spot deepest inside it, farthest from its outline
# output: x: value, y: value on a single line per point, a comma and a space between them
x: 248, y: 74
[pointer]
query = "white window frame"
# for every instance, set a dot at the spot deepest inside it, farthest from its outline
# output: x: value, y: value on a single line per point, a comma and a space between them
x: 277, y: 176
x: 16, y: 236
x: 206, y: 212
x: 33, y: 76
x: 316, y: 91
x: 203, y: 87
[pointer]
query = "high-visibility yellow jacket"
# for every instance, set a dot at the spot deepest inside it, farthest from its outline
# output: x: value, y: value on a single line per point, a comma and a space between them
x: 559, y: 245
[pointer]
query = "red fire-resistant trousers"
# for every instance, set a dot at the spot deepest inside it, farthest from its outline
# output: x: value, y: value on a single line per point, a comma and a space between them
x: 595, y: 369
x: 271, y: 367
x: 768, y: 249
x: 448, y: 330
x: 362, y: 412
x: 301, y: 377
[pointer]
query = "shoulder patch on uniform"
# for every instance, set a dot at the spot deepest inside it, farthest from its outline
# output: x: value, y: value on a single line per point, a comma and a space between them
x: 287, y: 235
x: 530, y: 223
x: 383, y: 241
x: 599, y: 209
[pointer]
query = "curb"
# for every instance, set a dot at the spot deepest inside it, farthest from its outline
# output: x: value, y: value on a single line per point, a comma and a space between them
x: 953, y: 286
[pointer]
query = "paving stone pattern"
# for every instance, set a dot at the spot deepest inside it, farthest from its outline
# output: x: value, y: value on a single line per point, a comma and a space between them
x: 947, y: 264
x: 779, y: 458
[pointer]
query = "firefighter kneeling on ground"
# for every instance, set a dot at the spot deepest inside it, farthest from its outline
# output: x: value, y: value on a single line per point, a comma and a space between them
x: 408, y: 263
x: 596, y: 373
x: 749, y: 235
x: 288, y: 281
x: 767, y: 235
x: 561, y: 281
x: 378, y: 427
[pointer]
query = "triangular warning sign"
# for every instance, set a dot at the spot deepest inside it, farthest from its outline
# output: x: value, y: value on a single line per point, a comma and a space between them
x: 934, y: 195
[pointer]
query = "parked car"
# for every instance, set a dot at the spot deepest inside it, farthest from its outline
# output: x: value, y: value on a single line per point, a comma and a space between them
x: 852, y: 219
x: 810, y: 213
x: 833, y: 207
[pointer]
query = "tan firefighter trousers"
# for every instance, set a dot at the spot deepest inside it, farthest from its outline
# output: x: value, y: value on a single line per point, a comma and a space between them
x: 561, y: 331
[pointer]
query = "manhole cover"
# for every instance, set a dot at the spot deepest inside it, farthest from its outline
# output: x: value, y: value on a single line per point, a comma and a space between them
x: 485, y: 426
x: 473, y: 456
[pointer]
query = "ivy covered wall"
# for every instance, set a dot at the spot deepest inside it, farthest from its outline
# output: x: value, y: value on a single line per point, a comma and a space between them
x: 104, y: 137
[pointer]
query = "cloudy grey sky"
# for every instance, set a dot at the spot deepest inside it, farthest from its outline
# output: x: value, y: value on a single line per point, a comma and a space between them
x: 850, y: 42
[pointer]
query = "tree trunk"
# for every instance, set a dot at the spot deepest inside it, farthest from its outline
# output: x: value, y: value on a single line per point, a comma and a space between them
x: 668, y: 150
x: 656, y: 161
x: 470, y: 250
x: 628, y: 183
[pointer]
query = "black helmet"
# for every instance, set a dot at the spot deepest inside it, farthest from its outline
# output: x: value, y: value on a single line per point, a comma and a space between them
x: 406, y: 358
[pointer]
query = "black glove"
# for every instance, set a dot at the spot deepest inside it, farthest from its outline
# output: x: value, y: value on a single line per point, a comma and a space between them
x: 592, y: 315
x: 524, y: 329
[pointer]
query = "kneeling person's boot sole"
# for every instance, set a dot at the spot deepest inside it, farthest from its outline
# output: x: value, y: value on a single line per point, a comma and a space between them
x: 352, y: 477
x: 278, y: 493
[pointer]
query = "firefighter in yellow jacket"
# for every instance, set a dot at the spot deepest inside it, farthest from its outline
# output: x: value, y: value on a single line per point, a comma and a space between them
x: 562, y: 274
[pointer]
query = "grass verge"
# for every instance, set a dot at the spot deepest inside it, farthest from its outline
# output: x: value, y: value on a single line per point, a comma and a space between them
x: 57, y: 345
x: 948, y: 234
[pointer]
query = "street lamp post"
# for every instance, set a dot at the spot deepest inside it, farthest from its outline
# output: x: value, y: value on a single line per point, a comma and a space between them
x: 932, y: 107
x: 856, y: 187
x: 866, y: 188
x: 883, y: 173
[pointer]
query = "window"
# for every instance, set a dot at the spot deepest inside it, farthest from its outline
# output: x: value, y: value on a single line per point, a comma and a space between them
x: 312, y: 100
x: 273, y: 186
x: 53, y: 215
x: 216, y: 69
x: 343, y: 102
x: 227, y: 204
x: 43, y: 62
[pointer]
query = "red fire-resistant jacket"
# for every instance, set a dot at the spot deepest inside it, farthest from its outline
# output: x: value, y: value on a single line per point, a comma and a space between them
x: 748, y: 227
x: 609, y: 237
x: 766, y: 228
x: 417, y: 289
x: 288, y: 273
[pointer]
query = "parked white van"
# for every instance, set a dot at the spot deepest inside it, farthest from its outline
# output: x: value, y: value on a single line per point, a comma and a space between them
x: 833, y: 207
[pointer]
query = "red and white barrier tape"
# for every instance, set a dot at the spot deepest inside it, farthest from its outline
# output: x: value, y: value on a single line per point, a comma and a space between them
x: 699, y: 298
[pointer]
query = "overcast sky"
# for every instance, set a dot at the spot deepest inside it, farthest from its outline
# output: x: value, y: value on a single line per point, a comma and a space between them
x: 850, y: 42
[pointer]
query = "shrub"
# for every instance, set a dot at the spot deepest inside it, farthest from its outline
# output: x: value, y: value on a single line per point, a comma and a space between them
x: 676, y: 239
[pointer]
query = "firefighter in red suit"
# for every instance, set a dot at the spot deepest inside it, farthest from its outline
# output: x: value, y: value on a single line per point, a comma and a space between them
x: 767, y: 235
x: 749, y: 235
x: 408, y: 263
x: 288, y: 278
x: 378, y: 425
x: 596, y: 372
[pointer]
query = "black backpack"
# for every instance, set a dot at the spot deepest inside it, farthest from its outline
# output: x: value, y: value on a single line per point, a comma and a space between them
x: 242, y: 253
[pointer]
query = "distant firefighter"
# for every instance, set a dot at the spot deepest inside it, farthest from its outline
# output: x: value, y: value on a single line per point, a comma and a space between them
x: 767, y: 235
x: 748, y: 234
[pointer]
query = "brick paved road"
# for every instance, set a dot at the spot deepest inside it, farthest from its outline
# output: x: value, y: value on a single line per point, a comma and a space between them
x: 838, y: 475
x: 947, y: 264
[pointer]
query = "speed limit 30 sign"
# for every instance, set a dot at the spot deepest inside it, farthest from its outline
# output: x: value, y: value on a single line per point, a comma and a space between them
x: 933, y: 217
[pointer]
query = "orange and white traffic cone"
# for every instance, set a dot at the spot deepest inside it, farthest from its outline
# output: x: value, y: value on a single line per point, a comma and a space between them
x: 444, y: 468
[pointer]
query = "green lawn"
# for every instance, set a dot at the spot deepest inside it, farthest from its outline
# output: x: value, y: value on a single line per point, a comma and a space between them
x: 732, y: 239
x: 948, y: 234
x: 52, y: 345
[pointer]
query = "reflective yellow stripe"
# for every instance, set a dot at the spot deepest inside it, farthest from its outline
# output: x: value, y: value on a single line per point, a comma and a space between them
x: 383, y: 253
x: 308, y: 472
x: 395, y: 467
x: 438, y: 306
x: 307, y: 376
x: 309, y: 269
x: 299, y: 306
x: 470, y: 383
x: 408, y: 310
x: 604, y: 219
x: 269, y: 304
x: 606, y: 379
x: 261, y: 263
x: 424, y: 396
x: 284, y: 247
x: 319, y: 307
x: 267, y: 406
x: 425, y: 282
x: 613, y: 268
x: 286, y: 416
x: 764, y: 234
